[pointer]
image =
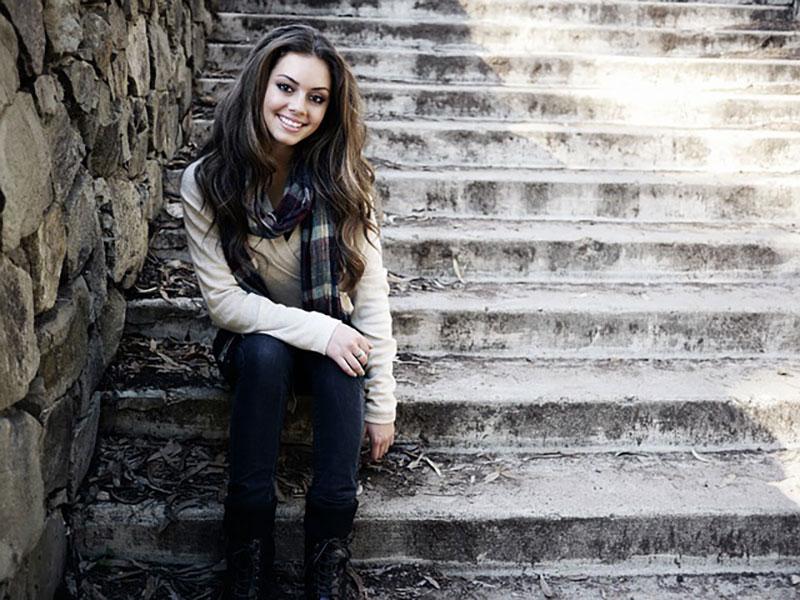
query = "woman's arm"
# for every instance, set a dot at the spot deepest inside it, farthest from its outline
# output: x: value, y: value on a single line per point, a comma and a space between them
x: 229, y: 306
x: 372, y: 317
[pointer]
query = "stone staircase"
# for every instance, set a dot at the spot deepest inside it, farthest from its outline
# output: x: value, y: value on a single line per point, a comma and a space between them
x: 591, y: 214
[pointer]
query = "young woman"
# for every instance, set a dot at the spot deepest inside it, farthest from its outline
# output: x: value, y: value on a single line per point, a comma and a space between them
x: 280, y: 224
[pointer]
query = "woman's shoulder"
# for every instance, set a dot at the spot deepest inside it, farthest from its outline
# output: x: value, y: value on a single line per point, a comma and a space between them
x: 190, y: 192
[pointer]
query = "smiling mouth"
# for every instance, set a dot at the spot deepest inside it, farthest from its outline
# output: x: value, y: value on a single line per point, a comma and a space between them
x: 290, y: 123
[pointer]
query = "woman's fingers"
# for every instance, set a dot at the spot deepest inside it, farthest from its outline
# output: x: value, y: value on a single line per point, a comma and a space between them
x: 353, y: 363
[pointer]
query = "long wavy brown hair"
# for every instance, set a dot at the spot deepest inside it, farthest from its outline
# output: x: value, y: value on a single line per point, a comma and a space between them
x: 238, y: 157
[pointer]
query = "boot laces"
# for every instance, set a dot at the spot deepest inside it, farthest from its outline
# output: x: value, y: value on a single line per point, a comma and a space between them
x: 331, y: 561
x: 245, y: 567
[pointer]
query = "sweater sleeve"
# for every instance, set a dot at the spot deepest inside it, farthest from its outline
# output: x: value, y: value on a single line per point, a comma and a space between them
x: 372, y: 317
x: 229, y: 306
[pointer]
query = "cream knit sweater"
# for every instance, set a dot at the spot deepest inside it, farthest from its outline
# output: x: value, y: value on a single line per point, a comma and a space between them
x: 281, y: 316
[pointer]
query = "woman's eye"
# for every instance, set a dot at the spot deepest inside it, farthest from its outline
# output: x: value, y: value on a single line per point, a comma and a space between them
x: 285, y: 87
x: 318, y: 99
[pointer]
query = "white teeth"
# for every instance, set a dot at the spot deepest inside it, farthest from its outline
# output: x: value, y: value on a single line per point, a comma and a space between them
x: 290, y: 123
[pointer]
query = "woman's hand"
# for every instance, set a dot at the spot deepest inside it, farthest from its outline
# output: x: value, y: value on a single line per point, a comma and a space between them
x: 381, y: 436
x: 349, y: 349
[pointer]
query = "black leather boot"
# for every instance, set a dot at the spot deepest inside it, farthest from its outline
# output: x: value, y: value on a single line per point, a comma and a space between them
x: 327, y: 571
x: 249, y: 553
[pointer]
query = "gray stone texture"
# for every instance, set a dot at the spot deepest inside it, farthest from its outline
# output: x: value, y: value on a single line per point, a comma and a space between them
x: 21, y: 488
x: 83, y: 225
x: 28, y: 20
x: 42, y: 570
x: 46, y: 249
x: 82, y: 146
x: 24, y: 170
x: 138, y: 57
x: 63, y: 25
x: 63, y: 340
x: 19, y: 353
x: 9, y: 78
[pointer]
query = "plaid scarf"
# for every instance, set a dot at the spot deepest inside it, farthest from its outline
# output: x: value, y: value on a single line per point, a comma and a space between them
x: 318, y: 249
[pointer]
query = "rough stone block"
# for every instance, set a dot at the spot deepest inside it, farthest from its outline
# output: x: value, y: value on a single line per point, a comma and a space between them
x: 118, y: 78
x: 83, y: 83
x: 21, y: 489
x: 42, y: 570
x: 95, y: 272
x: 97, y: 45
x: 49, y: 96
x: 57, y: 421
x: 24, y: 170
x: 160, y: 57
x: 110, y: 135
x: 82, y: 448
x: 126, y: 232
x: 62, y: 24
x: 164, y: 120
x: 134, y: 145
x: 46, y: 249
x: 111, y: 324
x: 28, y: 19
x: 154, y: 189
x: 83, y: 224
x: 63, y: 340
x: 19, y: 353
x: 138, y: 56
x: 9, y: 78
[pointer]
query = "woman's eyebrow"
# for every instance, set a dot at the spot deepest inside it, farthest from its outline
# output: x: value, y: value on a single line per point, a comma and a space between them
x: 321, y: 87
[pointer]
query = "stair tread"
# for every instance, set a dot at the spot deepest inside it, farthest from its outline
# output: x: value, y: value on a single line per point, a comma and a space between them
x: 547, y: 487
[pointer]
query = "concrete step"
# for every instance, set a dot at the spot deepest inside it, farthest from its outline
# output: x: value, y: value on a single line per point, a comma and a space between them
x: 509, y: 510
x: 643, y: 14
x: 755, y: 581
x: 640, y: 106
x: 489, y: 249
x: 512, y: 250
x: 502, y: 36
x: 591, y: 194
x: 453, y: 145
x: 494, y: 404
x: 542, y: 68
x: 546, y: 320
x: 740, y: 198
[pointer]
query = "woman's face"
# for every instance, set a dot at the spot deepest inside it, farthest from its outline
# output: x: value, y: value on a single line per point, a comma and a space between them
x: 297, y: 96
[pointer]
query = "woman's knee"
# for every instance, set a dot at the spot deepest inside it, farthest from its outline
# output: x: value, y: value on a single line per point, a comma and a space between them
x: 263, y: 355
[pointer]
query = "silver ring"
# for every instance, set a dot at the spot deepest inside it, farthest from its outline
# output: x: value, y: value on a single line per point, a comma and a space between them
x: 360, y: 354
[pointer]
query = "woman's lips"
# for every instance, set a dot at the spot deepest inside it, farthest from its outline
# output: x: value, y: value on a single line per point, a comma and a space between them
x: 290, y: 124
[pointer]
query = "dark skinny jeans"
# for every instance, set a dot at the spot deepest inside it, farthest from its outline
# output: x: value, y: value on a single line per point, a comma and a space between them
x: 262, y: 370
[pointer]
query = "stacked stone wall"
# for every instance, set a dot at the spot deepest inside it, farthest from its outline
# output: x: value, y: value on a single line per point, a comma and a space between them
x: 94, y: 99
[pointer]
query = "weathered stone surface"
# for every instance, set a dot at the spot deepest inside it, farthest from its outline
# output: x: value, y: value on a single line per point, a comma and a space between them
x: 46, y: 249
x: 49, y: 96
x: 160, y: 57
x: 82, y: 449
x: 83, y: 224
x: 63, y: 338
x: 57, y: 421
x: 164, y: 123
x: 97, y: 44
x: 42, y: 570
x: 24, y: 170
x: 138, y: 56
x: 199, y: 47
x: 9, y: 78
x: 95, y: 272
x: 106, y: 134
x: 91, y: 376
x: 134, y: 139
x: 111, y: 324
x: 19, y: 354
x: 27, y: 18
x: 118, y: 78
x: 183, y: 82
x: 126, y: 232
x: 131, y: 9
x: 21, y: 489
x: 63, y: 26
x: 153, y: 190
x: 83, y: 82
